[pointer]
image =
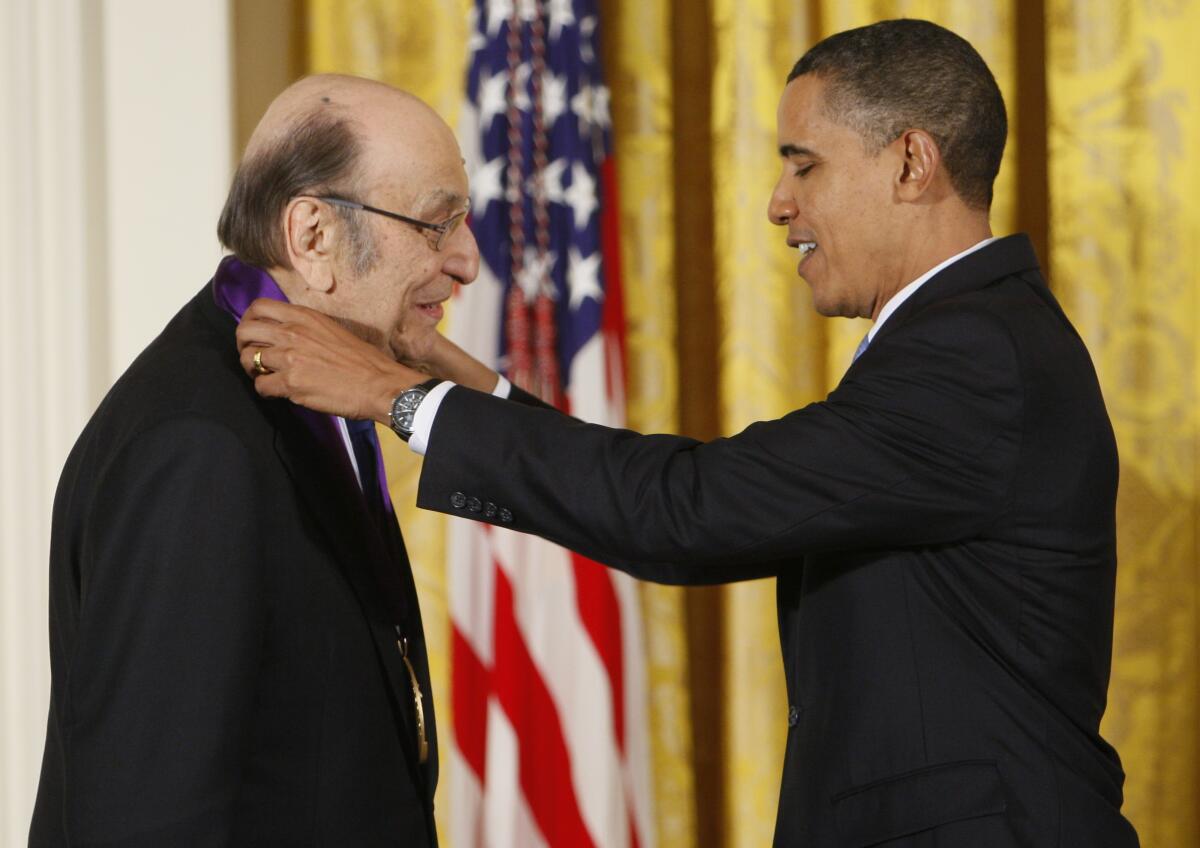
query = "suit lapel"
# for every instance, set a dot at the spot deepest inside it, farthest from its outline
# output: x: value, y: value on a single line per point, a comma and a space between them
x: 1002, y: 258
x: 310, y: 449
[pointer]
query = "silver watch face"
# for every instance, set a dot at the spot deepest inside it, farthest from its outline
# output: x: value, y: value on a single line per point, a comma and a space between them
x: 404, y: 409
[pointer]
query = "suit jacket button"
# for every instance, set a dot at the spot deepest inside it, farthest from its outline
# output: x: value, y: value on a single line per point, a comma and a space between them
x: 458, y: 500
x: 505, y: 516
x: 473, y: 504
x: 489, y: 510
x: 793, y: 716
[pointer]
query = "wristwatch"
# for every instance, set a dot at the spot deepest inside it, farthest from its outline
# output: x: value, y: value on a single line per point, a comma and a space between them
x: 404, y: 408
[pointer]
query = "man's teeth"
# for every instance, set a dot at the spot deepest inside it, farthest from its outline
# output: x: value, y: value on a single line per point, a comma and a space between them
x: 806, y: 247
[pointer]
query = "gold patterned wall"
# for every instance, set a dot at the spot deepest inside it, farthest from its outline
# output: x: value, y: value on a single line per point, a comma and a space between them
x: 1124, y: 107
x: 770, y: 361
x: 1101, y: 169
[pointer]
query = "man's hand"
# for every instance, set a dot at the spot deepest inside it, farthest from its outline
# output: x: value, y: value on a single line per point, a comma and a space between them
x: 447, y: 361
x: 313, y: 361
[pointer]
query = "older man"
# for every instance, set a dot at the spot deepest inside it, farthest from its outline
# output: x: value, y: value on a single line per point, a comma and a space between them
x: 236, y: 644
x: 941, y: 526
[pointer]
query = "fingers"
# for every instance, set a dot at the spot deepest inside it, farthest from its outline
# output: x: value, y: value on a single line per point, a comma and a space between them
x: 264, y: 308
x: 260, y: 333
x: 269, y: 322
x: 271, y: 385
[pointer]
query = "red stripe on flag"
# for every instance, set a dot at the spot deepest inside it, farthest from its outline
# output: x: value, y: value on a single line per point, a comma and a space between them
x: 545, y: 764
x: 612, y: 319
x: 470, y: 684
x: 601, y: 616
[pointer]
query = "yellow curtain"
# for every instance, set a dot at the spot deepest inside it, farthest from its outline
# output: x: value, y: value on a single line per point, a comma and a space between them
x: 1100, y: 169
x: 768, y: 365
x: 1124, y: 111
x: 639, y: 74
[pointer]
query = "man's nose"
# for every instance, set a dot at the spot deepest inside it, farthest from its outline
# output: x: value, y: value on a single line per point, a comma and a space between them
x: 462, y: 259
x: 781, y: 208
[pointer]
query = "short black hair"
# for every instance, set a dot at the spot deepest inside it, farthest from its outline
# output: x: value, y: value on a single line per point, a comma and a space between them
x: 905, y: 74
x: 321, y: 151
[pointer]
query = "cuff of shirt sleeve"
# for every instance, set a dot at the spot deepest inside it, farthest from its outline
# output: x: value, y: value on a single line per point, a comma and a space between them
x: 503, y: 388
x: 418, y: 442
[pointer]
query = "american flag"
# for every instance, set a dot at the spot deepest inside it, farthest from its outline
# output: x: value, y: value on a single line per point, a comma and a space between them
x: 550, y: 742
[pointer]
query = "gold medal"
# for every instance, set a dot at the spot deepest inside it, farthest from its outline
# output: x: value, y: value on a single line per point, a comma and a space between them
x: 422, y: 741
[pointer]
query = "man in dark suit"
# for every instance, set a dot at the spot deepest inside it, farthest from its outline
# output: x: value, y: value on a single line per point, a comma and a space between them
x: 941, y: 526
x: 236, y: 645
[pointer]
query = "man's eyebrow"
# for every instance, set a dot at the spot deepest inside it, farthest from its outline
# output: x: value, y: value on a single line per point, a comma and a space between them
x: 789, y: 150
x: 442, y: 198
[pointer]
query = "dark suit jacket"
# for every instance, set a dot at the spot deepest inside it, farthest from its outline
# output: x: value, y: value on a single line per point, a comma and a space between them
x: 942, y: 530
x: 223, y: 617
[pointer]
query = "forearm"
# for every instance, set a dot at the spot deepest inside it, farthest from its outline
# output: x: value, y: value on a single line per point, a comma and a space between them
x: 448, y: 361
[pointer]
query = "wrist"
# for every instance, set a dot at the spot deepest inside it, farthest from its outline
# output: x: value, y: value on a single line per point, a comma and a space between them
x: 403, y: 419
x: 389, y: 385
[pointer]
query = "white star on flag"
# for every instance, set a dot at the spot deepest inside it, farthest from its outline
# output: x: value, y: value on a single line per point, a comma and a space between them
x: 581, y: 196
x: 583, y: 277
x: 498, y: 11
x: 533, y: 272
x: 587, y: 27
x: 487, y: 186
x: 591, y: 105
x: 477, y: 39
x: 493, y: 98
x: 522, y: 99
x: 553, y: 176
x: 554, y: 98
x: 561, y: 15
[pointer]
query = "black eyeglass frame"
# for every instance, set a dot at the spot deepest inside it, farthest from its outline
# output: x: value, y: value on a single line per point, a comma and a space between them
x: 443, y: 229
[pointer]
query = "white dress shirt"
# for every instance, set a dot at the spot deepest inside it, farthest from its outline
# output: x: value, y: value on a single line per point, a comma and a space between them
x: 909, y: 290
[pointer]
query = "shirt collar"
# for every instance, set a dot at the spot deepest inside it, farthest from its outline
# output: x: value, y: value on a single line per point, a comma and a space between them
x: 909, y: 290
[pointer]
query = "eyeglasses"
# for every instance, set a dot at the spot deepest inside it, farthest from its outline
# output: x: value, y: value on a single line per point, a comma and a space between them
x: 435, y: 234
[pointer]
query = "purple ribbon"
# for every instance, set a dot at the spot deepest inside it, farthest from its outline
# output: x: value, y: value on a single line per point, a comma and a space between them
x: 235, y: 286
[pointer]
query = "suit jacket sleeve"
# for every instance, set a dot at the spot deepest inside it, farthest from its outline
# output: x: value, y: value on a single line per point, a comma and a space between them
x: 917, y: 446
x: 162, y: 680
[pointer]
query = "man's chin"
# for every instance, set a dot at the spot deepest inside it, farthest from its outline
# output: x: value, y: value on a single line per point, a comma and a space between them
x: 827, y: 307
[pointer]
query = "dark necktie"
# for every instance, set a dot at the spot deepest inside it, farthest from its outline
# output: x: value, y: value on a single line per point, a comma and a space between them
x: 366, y: 454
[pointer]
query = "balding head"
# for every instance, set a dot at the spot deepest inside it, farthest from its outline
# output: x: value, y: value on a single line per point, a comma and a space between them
x: 323, y: 135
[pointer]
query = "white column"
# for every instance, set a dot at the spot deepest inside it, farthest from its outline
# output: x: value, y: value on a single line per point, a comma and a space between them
x: 115, y: 152
x: 169, y: 141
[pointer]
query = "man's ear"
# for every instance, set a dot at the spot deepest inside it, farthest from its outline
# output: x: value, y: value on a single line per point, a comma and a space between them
x: 920, y: 161
x: 309, y: 229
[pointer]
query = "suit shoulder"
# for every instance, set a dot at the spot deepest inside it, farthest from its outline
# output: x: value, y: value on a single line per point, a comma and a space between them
x: 966, y: 326
x: 189, y: 373
x: 191, y: 368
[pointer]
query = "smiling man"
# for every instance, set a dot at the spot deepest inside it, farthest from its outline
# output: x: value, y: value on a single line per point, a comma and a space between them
x: 236, y: 644
x: 941, y: 526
